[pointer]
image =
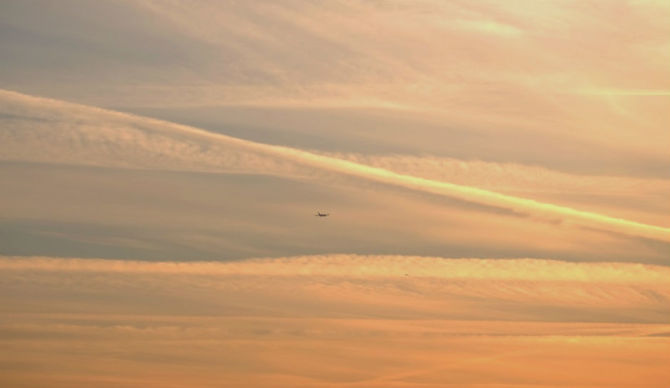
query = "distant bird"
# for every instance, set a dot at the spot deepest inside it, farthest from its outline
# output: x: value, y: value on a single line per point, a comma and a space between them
x: 319, y: 214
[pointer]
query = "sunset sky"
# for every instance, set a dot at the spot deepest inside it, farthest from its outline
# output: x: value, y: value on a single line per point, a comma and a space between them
x: 497, y: 175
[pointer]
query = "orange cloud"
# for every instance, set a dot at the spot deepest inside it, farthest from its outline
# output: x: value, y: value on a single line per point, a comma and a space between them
x: 323, y: 321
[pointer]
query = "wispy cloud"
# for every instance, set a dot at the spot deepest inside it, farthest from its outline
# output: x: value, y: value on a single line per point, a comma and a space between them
x: 530, y: 288
x: 368, y: 267
x: 329, y: 320
x: 148, y: 143
x: 505, y: 69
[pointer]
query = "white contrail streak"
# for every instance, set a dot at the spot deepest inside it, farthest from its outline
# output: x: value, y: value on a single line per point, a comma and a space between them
x: 467, y: 193
x: 186, y: 134
x: 481, y: 196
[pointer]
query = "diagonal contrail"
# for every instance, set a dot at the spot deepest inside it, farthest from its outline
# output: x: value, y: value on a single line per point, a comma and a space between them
x: 186, y: 134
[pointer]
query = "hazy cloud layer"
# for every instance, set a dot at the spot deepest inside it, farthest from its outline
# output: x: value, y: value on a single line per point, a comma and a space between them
x: 333, y: 320
x: 588, y: 83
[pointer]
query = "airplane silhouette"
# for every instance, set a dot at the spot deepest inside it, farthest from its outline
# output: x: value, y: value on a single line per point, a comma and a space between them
x: 319, y: 214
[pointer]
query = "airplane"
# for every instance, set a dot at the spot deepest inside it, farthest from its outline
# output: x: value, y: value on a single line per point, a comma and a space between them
x: 319, y: 214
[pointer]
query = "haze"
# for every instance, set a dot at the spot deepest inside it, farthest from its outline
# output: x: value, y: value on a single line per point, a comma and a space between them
x: 496, y: 175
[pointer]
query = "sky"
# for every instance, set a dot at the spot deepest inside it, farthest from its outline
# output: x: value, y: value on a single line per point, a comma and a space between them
x: 496, y: 173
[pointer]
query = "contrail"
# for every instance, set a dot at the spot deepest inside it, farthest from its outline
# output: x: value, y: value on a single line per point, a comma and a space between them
x: 452, y: 190
x: 481, y: 196
x: 467, y: 193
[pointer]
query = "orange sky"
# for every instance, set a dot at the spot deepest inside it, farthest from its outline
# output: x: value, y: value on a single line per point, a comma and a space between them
x: 496, y: 174
x: 331, y: 321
